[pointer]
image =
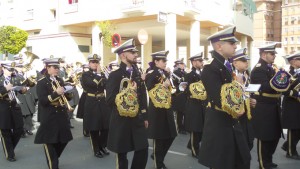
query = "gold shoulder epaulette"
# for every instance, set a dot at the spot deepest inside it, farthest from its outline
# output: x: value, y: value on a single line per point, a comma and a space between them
x: 209, y: 61
x: 41, y: 78
x: 150, y: 71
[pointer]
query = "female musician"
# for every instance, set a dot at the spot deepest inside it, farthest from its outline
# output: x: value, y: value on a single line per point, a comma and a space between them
x: 162, y: 127
x: 11, y: 121
x: 96, y: 112
x: 54, y: 132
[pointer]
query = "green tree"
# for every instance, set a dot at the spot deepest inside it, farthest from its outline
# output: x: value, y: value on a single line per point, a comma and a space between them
x: 12, y: 39
x: 107, y: 29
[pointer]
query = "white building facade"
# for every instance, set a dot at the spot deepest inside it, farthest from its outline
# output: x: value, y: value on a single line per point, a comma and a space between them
x: 69, y: 27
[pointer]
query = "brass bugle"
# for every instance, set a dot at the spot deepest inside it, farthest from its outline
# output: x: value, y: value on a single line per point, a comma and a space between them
x: 62, y: 100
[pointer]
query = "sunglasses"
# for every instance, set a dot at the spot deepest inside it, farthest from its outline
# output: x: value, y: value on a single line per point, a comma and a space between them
x: 94, y: 61
x: 55, y: 67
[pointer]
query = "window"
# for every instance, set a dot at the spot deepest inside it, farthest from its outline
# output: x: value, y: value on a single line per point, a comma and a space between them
x: 292, y: 50
x: 285, y: 40
x: 53, y: 12
x: 298, y: 48
x: 293, y: 19
x: 73, y: 1
x: 298, y: 41
x: 292, y: 40
x: 286, y: 30
x: 29, y: 14
x: 286, y: 20
x: 84, y: 48
x: 36, y: 33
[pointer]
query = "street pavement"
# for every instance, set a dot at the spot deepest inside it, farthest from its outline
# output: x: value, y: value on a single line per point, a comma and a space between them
x: 78, y: 155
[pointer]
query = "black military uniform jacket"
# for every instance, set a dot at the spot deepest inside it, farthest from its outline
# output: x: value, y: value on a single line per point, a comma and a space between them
x: 291, y: 106
x: 27, y: 100
x: 223, y: 139
x: 179, y: 98
x: 194, y: 108
x: 10, y: 112
x: 126, y: 133
x: 161, y: 120
x: 54, y: 126
x: 266, y: 114
x: 96, y: 114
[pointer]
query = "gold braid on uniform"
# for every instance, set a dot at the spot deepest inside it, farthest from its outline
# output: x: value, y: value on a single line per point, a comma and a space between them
x: 160, y: 96
x: 198, y: 91
x: 126, y: 100
x: 247, y: 103
x: 232, y: 100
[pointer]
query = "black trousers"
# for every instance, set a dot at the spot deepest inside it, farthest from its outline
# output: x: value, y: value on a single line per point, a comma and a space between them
x: 98, y: 139
x: 10, y: 139
x: 293, y: 138
x: 194, y: 142
x: 180, y: 120
x: 53, y: 152
x: 139, y: 160
x: 160, y: 148
x: 265, y: 151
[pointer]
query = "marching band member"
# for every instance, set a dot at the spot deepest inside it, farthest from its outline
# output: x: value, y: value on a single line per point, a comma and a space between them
x: 196, y: 103
x: 54, y: 131
x: 11, y: 121
x: 266, y: 114
x: 27, y: 102
x: 179, y: 97
x: 162, y: 128
x: 290, y: 109
x: 223, y: 144
x: 129, y: 110
x: 240, y: 66
x: 96, y: 114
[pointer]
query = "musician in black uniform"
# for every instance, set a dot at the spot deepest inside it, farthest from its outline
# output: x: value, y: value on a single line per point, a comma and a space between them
x: 223, y: 144
x: 80, y: 108
x: 11, y: 121
x: 266, y: 114
x: 240, y: 65
x: 162, y: 128
x: 96, y: 113
x: 27, y: 101
x: 128, y: 128
x: 195, y: 107
x: 54, y: 132
x: 179, y: 97
x: 290, y: 109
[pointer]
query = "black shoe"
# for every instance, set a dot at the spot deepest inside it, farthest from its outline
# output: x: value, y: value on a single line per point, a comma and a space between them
x: 163, y: 167
x: 104, y: 151
x: 293, y: 156
x: 284, y: 146
x: 71, y: 126
x: 86, y: 135
x: 182, y: 132
x: 11, y: 159
x: 98, y: 155
x: 273, y: 165
x: 23, y: 135
x: 28, y: 132
x: 152, y: 156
